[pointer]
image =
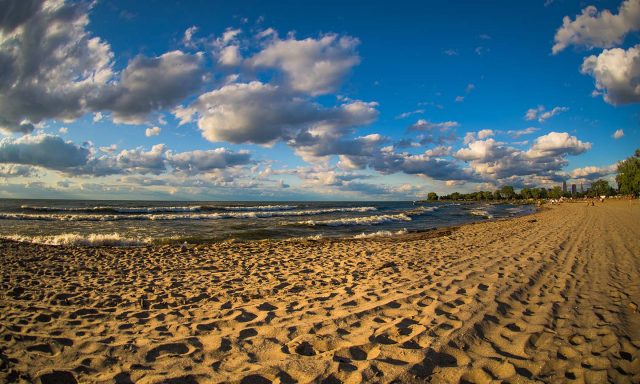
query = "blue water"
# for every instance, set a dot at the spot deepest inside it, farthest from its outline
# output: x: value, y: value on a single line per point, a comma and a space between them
x: 205, y: 221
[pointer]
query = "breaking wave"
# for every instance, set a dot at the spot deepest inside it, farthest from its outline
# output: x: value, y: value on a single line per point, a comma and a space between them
x: 178, y: 216
x: 89, y: 240
x: 261, y: 208
x: 363, y: 235
x: 481, y: 212
x: 113, y: 209
x: 366, y: 220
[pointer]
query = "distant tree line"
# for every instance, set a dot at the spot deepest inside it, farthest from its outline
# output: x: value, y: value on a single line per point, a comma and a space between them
x: 628, y: 179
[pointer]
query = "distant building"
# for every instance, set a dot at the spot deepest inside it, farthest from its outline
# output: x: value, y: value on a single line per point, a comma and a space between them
x: 581, y: 188
x: 574, y: 189
x: 564, y: 187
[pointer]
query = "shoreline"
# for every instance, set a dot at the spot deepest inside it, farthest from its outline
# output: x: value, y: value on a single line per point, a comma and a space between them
x: 540, y: 297
x: 149, y: 242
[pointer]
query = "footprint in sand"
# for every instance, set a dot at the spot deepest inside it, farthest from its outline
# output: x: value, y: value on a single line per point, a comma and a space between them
x: 267, y: 307
x: 58, y: 377
x: 167, y: 349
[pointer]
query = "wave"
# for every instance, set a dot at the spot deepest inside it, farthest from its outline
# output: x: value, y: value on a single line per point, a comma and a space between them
x: 421, y: 210
x: 363, y: 235
x: 113, y: 209
x: 89, y: 240
x: 261, y: 208
x: 366, y: 220
x: 178, y: 216
x: 310, y: 237
x: 481, y: 212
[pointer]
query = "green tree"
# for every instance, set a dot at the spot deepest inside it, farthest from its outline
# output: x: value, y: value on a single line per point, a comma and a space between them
x: 496, y: 195
x: 601, y: 188
x: 526, y: 193
x: 507, y: 192
x: 432, y: 196
x: 628, y: 177
x: 455, y: 196
x: 536, y: 193
x: 555, y: 192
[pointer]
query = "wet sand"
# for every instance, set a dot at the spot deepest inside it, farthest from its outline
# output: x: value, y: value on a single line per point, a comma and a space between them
x: 550, y: 297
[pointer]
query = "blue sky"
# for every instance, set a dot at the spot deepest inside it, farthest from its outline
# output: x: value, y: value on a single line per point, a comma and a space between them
x: 364, y: 100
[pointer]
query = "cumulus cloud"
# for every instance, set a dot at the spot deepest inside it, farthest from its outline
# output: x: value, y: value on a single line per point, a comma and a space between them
x: 313, y: 66
x: 619, y: 133
x: 51, y: 67
x: 52, y: 152
x: 484, y: 150
x: 541, y: 114
x: 17, y: 170
x: 151, y: 83
x: 153, y: 131
x: 557, y: 143
x: 230, y: 56
x: 263, y: 113
x: 516, y: 133
x: 617, y: 74
x: 425, y: 125
x: 43, y: 150
x: 593, y: 173
x: 494, y: 161
x: 204, y: 161
x: 594, y: 29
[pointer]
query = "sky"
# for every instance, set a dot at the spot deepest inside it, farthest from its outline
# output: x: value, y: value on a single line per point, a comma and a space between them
x: 326, y: 100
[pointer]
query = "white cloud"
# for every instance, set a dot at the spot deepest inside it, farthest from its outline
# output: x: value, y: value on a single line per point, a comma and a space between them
x: 521, y: 132
x: 616, y: 72
x: 484, y: 150
x: 594, y: 29
x: 187, y: 38
x: 483, y: 134
x: 17, y: 170
x: 263, y: 113
x: 498, y: 162
x: 407, y: 114
x: 593, y: 173
x: 42, y: 150
x: 109, y: 149
x: 196, y: 162
x: 153, y: 131
x: 426, y: 125
x: 619, y: 133
x: 541, y: 114
x: 312, y: 66
x: 557, y: 143
x: 63, y: 130
x: 51, y: 66
x: 97, y: 117
x: 149, y: 84
x: 230, y: 56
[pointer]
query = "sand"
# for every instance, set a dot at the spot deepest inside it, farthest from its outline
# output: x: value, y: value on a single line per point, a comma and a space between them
x: 550, y: 297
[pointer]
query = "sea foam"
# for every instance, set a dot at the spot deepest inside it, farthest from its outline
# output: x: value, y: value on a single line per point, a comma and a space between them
x: 89, y: 240
x: 366, y: 220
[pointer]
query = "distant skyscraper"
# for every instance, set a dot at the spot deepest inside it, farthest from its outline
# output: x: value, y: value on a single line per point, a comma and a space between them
x: 581, y: 188
x: 564, y: 187
x: 574, y: 189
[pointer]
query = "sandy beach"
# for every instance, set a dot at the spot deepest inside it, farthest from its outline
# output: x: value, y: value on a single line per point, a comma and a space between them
x: 549, y: 297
